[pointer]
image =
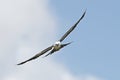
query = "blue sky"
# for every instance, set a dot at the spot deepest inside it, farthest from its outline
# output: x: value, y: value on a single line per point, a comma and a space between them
x: 28, y: 26
x: 96, y: 46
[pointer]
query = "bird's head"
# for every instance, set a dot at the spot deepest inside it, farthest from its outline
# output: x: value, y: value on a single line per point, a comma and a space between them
x: 58, y: 43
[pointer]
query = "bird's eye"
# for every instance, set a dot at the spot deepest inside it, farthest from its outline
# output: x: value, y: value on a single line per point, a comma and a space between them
x: 57, y: 44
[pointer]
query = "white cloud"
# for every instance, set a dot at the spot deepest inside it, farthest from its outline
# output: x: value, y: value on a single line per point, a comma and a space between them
x: 27, y: 26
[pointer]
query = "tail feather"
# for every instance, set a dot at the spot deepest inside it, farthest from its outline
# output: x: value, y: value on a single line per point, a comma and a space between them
x: 49, y: 53
x: 63, y: 45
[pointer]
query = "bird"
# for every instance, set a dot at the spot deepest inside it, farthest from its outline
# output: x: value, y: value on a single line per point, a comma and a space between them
x: 57, y: 45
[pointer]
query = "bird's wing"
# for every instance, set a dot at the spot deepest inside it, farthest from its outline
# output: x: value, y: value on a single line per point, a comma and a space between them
x: 72, y: 28
x: 37, y: 55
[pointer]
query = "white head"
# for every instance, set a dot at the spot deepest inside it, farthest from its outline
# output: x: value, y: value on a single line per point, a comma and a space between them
x: 58, y: 43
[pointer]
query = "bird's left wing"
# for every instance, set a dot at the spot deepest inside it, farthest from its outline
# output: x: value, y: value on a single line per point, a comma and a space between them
x: 72, y: 28
x: 37, y: 55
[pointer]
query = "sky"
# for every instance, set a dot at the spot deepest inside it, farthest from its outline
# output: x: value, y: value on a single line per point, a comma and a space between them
x: 29, y: 26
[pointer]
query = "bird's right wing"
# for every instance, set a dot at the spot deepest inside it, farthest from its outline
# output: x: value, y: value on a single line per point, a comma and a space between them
x: 37, y: 55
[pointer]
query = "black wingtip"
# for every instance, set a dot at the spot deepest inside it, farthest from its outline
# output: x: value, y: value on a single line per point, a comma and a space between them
x: 81, y: 18
x: 22, y: 62
x: 83, y: 14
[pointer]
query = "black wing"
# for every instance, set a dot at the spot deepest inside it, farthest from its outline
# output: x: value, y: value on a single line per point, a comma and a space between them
x: 72, y: 28
x: 37, y: 55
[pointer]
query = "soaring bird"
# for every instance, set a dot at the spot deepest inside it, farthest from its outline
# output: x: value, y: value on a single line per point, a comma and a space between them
x: 57, y: 45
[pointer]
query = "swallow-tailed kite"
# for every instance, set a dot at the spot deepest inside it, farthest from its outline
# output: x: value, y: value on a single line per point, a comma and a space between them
x: 57, y: 46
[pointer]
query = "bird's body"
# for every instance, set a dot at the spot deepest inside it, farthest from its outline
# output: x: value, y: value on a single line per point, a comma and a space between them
x: 58, y: 45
